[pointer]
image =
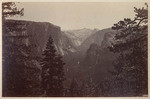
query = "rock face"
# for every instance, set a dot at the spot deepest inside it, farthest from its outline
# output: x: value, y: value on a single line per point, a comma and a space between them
x: 108, y: 39
x: 65, y: 42
x: 38, y: 34
x: 96, y: 38
x: 78, y: 36
x: 93, y: 54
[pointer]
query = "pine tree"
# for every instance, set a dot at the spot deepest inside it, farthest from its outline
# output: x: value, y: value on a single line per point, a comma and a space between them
x: 52, y: 71
x: 131, y: 43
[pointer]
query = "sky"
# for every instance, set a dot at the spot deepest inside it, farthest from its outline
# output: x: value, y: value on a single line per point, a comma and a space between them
x: 78, y: 15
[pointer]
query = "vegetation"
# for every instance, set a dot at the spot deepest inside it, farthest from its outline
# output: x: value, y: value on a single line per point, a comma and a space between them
x: 130, y: 69
x: 17, y: 60
x: 52, y: 71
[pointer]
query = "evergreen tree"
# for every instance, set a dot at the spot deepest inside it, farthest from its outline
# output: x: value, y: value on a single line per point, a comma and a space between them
x: 88, y: 88
x: 52, y: 71
x: 9, y: 9
x: 12, y: 83
x: 16, y: 56
x: 74, y: 90
x: 131, y: 43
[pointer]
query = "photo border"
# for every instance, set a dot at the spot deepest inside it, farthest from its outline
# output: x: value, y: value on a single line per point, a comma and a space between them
x: 123, y: 1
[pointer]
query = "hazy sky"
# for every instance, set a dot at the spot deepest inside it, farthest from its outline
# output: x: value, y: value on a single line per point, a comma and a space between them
x: 79, y: 15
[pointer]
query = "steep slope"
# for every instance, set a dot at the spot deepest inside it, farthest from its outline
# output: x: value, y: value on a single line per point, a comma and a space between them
x: 96, y: 38
x: 38, y: 34
x: 79, y: 35
x: 98, y: 61
x: 108, y: 39
x: 66, y: 45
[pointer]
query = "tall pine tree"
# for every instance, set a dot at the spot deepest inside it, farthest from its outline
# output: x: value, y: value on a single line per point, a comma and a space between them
x: 52, y: 71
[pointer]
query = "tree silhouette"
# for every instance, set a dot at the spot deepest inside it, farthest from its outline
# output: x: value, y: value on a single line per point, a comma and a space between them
x: 131, y: 43
x: 16, y: 56
x: 12, y: 72
x: 52, y: 71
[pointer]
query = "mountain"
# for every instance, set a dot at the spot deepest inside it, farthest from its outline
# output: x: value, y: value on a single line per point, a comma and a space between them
x: 79, y: 35
x: 36, y: 37
x: 96, y: 38
x: 38, y: 34
x: 92, y: 57
x: 84, y: 50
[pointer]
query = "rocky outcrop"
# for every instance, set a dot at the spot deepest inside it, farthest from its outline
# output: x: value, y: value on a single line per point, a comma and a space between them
x: 108, y: 39
x: 38, y: 34
x: 96, y: 38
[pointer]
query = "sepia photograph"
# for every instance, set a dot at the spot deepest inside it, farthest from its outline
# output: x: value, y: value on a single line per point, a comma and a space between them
x: 74, y: 49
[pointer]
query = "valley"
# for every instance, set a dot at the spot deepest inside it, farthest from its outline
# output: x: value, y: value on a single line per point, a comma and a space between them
x: 74, y: 49
x: 84, y: 51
